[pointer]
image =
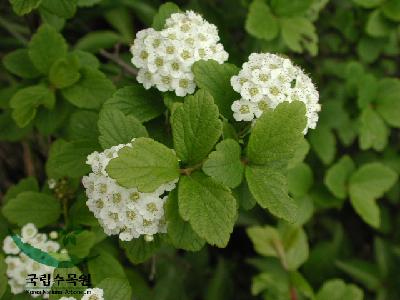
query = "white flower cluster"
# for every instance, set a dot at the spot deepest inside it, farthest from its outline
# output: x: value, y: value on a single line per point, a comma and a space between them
x: 89, y: 294
x: 123, y: 211
x: 165, y: 57
x: 19, y: 265
x: 267, y: 80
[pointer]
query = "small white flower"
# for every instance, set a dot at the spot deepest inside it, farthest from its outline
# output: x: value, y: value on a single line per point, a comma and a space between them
x: 67, y: 298
x: 9, y: 246
x: 243, y: 110
x: 165, y: 58
x: 93, y: 294
x: 126, y: 212
x: 267, y: 80
x: 53, y: 235
x: 29, y: 231
x: 51, y: 183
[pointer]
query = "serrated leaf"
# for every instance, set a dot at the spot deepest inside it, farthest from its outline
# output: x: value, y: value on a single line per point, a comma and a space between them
x: 87, y: 59
x: 299, y: 33
x: 69, y: 158
x: 164, y: 12
x: 260, y: 21
x: 367, y: 90
x: 224, y: 164
x: 138, y: 250
x: 91, y: 91
x: 290, y: 8
x: 215, y: 79
x: 32, y: 207
x: 388, y: 101
x: 115, y: 128
x: 45, y: 47
x: 48, y: 121
x: 104, y: 265
x: 337, y: 289
x: 51, y: 19
x: 269, y: 187
x: 366, y: 185
x: 26, y: 101
x: 116, y: 288
x: 276, y: 134
x: 22, y: 7
x: 97, y: 40
x: 391, y: 10
x: 373, y: 132
x: 134, y: 100
x: 196, y: 127
x: 65, y: 71
x: 377, y: 25
x: 61, y: 8
x: 180, y: 232
x: 24, y: 185
x: 85, y: 240
x: 208, y: 206
x: 337, y: 176
x: 19, y: 63
x: 323, y: 142
x: 145, y: 166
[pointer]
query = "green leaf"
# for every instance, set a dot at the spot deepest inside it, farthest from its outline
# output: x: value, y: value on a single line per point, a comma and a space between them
x: 51, y: 19
x: 65, y: 71
x: 48, y: 121
x: 104, y: 265
x: 85, y: 240
x: 323, y: 142
x: 369, y: 49
x: 368, y: 3
x: 215, y: 79
x: 60, y: 289
x: 208, y: 206
x: 146, y: 166
x: 19, y: 63
x: 22, y: 7
x: 9, y: 130
x: 367, y: 90
x: 88, y: 3
x: 164, y: 12
x: 367, y: 184
x: 224, y: 164
x: 336, y: 289
x: 391, y: 10
x: 61, y: 8
x: 80, y: 214
x: 196, y: 127
x: 260, y: 22
x: 290, y: 8
x: 299, y: 33
x: 32, y: 207
x: 300, y: 154
x: 91, y: 90
x: 138, y: 250
x: 69, y: 158
x: 287, y: 242
x: 116, y: 289
x: 362, y: 271
x: 24, y: 185
x: 122, y: 21
x: 269, y: 187
x: 220, y: 285
x: 388, y: 101
x: 134, y: 100
x: 277, y: 134
x: 300, y: 179
x: 373, y: 131
x: 83, y: 125
x: 181, y: 234
x: 87, y: 59
x: 337, y: 176
x: 26, y: 101
x: 116, y: 128
x: 3, y: 277
x: 95, y: 41
x: 45, y: 47
x: 377, y: 25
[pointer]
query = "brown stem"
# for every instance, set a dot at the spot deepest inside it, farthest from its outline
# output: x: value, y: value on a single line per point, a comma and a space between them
x: 29, y: 167
x: 190, y: 170
x: 115, y: 58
